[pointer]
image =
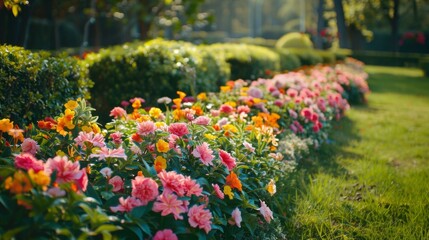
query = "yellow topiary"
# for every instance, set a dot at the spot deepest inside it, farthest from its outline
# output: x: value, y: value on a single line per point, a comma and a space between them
x: 295, y: 40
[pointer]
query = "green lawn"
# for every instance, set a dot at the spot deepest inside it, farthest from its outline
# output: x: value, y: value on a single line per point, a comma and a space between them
x: 372, y: 180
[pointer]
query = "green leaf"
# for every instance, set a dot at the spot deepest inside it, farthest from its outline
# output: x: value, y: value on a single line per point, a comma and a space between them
x: 107, y: 228
x: 9, y: 234
x: 144, y: 227
x: 90, y: 192
x: 168, y: 2
x: 138, y: 212
x: 136, y: 231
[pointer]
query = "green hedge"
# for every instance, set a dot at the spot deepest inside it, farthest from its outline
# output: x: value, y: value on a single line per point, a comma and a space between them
x: 288, y: 60
x: 248, y: 61
x: 424, y: 65
x: 388, y: 58
x: 36, y: 85
x: 151, y: 70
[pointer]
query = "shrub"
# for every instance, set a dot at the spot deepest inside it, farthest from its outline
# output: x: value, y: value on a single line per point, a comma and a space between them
x: 424, y: 65
x: 328, y: 57
x: 288, y: 60
x: 307, y: 57
x: 248, y: 61
x: 295, y: 40
x: 152, y: 70
x: 35, y: 85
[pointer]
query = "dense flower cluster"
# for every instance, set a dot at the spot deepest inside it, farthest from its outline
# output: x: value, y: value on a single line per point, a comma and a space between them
x: 205, y: 166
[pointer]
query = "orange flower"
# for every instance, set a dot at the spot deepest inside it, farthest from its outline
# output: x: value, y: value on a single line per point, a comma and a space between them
x: 249, y: 128
x: 16, y: 133
x: 5, y: 125
x: 136, y: 138
x: 177, y: 102
x: 258, y: 120
x: 178, y: 114
x: 216, y: 127
x: 18, y: 184
x: 162, y: 146
x: 160, y: 164
x: 181, y: 94
x: 202, y: 96
x: 233, y: 181
x: 198, y: 110
x: 137, y: 103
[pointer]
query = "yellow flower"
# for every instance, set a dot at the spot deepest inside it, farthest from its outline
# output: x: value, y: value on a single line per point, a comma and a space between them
x: 210, y: 136
x: 202, y: 96
x: 229, y: 128
x: 257, y: 100
x: 231, y: 103
x: 271, y: 187
x: 160, y: 164
x: 60, y: 153
x: 18, y: 184
x: 160, y: 125
x: 144, y: 118
x: 243, y: 91
x: 178, y: 114
x: 137, y: 104
x: 71, y: 105
x: 162, y: 146
x: 155, y: 112
x: 40, y: 178
x: 86, y: 129
x: 95, y: 128
x: 181, y: 94
x: 228, y: 191
x: 225, y: 89
x: 5, y: 125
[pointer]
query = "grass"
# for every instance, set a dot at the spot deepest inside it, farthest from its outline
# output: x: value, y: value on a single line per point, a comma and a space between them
x: 371, y: 181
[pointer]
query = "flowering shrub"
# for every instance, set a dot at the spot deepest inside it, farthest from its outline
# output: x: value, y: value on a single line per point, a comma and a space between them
x: 206, y: 167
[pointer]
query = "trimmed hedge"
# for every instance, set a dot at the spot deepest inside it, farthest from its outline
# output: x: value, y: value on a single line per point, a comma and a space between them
x: 35, y: 85
x: 248, y: 61
x: 295, y: 40
x: 151, y: 70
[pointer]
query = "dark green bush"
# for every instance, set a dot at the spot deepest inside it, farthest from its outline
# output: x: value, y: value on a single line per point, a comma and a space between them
x: 152, y: 70
x: 307, y: 57
x: 424, y: 65
x: 35, y: 85
x: 288, y: 60
x: 328, y: 57
x: 387, y: 58
x: 248, y: 61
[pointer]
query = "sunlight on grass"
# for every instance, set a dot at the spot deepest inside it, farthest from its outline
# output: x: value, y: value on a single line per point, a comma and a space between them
x: 371, y: 182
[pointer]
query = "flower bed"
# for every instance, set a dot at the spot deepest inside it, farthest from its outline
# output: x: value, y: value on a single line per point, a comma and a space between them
x: 204, y: 167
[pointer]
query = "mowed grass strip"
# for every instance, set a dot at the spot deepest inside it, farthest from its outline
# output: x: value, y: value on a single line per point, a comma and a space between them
x: 372, y: 180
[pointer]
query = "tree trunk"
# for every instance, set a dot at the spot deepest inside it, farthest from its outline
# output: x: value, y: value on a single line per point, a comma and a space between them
x: 395, y: 25
x: 320, y: 24
x: 341, y: 24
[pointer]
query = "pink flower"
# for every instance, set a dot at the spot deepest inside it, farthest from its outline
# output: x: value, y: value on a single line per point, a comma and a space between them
x: 97, y: 140
x: 117, y: 183
x: 307, y: 113
x: 191, y: 187
x: 249, y: 146
x: 202, y: 120
x: 227, y: 159
x: 27, y: 161
x: 243, y: 109
x: 255, y: 92
x: 30, y: 146
x: 204, y: 153
x: 172, y: 182
x: 200, y: 217
x: 118, y: 112
x: 105, y: 152
x: 178, y: 129
x: 145, y: 189
x: 235, y: 218
x: 218, y: 192
x: 167, y: 203
x: 106, y: 172
x: 317, y: 126
x: 67, y: 171
x: 165, y: 234
x: 126, y: 205
x: 146, y: 128
x: 225, y: 108
x: 56, y: 192
x: 293, y: 114
x: 265, y: 211
x: 292, y: 92
x: 214, y: 113
x: 116, y: 137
